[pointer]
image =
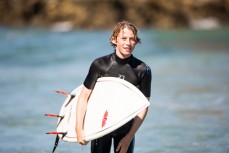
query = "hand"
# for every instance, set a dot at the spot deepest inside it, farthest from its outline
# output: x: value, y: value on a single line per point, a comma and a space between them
x: 80, y: 138
x: 123, y: 145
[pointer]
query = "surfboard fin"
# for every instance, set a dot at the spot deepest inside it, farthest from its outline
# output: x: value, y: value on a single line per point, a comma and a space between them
x: 64, y: 93
x: 67, y: 94
x: 64, y: 133
x: 54, y: 115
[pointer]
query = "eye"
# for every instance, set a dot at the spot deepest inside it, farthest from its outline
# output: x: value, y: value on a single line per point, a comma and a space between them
x: 132, y: 39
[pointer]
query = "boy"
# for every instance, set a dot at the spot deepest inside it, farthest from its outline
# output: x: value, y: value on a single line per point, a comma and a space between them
x: 120, y: 64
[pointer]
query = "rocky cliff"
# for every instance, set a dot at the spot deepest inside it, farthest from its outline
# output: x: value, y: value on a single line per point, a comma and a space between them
x: 105, y: 13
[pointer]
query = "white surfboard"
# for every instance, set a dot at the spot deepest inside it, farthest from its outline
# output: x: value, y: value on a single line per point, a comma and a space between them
x: 112, y: 103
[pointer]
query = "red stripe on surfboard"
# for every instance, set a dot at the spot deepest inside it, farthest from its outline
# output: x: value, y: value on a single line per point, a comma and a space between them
x: 104, y: 121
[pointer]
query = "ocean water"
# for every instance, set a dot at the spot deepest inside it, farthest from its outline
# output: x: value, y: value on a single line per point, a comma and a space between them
x: 189, y: 109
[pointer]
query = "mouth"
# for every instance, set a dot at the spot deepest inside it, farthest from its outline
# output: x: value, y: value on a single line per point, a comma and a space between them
x: 127, y: 49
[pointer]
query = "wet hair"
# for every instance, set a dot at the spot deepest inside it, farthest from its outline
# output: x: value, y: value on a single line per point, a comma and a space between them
x: 120, y: 26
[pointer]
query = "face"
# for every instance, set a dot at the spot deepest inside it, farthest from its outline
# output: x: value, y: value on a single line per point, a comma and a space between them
x: 125, y: 43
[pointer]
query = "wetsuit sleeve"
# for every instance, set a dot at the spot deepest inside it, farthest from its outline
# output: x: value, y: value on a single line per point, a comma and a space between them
x: 145, y: 84
x: 93, y: 75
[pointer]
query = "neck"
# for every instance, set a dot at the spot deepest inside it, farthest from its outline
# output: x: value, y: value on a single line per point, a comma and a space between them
x: 122, y: 60
x: 121, y: 55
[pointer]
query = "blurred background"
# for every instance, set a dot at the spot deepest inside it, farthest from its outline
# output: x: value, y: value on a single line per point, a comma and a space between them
x: 48, y: 45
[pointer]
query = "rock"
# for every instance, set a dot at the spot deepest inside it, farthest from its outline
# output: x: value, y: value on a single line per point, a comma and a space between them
x: 106, y: 13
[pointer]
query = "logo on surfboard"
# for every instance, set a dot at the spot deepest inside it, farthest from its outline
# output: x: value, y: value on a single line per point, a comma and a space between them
x: 104, y: 121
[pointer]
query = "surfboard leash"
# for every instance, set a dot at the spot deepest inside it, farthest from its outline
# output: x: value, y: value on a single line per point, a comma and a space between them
x: 57, y: 138
x: 56, y: 143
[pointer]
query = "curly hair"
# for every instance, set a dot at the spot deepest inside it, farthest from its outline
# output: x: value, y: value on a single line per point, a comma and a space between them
x: 120, y: 26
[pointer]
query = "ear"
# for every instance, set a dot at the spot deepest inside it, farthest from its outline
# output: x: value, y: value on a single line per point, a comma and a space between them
x: 114, y: 40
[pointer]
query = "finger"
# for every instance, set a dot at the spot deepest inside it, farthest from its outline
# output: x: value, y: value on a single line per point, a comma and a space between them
x: 86, y: 142
x: 80, y: 142
x: 118, y: 147
x: 83, y: 142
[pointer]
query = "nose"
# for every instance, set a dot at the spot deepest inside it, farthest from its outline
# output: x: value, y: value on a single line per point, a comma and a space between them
x: 128, y: 42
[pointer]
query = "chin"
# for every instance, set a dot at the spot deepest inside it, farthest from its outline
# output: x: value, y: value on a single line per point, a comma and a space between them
x: 127, y: 54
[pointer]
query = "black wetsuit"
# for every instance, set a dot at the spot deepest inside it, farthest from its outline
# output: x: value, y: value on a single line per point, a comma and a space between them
x: 132, y: 70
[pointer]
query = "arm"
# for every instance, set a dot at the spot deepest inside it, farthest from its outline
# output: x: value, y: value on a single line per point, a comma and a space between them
x: 80, y: 114
x: 125, y: 142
